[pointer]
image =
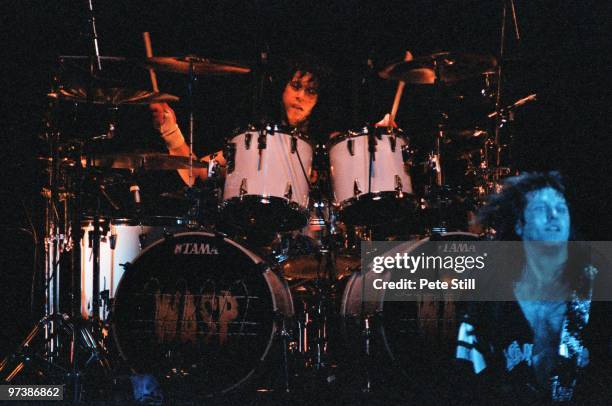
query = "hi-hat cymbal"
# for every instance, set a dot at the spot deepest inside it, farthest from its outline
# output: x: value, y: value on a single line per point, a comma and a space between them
x: 201, y: 66
x: 113, y: 96
x: 448, y: 67
x: 145, y: 161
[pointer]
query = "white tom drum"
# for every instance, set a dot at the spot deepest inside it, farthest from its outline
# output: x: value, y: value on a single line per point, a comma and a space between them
x: 267, y: 182
x: 370, y: 180
x: 121, y: 241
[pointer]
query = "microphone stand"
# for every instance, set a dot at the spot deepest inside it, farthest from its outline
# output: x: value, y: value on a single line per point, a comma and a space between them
x: 499, y: 117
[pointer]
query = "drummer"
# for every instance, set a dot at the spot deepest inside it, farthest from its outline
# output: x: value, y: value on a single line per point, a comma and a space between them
x: 303, y: 87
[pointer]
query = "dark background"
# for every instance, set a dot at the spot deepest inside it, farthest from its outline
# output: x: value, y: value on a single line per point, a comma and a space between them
x: 563, y: 57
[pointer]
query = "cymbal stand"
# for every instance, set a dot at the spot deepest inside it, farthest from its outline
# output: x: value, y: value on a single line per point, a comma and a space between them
x: 192, y: 193
x: 55, y: 234
x: 501, y: 117
x: 435, y: 158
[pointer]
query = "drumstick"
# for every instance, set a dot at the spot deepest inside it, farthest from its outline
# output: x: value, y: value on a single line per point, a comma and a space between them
x: 398, y: 92
x: 149, y: 49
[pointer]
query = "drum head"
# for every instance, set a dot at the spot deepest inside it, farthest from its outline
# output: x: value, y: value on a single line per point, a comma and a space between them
x: 200, y: 308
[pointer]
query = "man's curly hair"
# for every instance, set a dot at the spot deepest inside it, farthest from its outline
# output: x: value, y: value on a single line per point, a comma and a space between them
x: 504, y: 209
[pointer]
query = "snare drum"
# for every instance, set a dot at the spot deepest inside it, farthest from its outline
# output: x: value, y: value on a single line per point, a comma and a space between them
x: 267, y: 182
x: 121, y: 241
x: 371, y: 191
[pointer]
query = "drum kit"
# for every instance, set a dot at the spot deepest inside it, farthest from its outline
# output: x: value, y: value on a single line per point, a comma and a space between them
x: 182, y: 298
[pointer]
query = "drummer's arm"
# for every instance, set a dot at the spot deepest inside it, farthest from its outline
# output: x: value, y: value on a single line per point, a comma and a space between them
x: 164, y: 121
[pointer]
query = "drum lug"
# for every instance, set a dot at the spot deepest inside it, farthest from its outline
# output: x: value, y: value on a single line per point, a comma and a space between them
x: 262, y: 139
x: 112, y: 241
x: 393, y: 142
x: 127, y: 266
x: 262, y: 267
x: 293, y: 144
x: 230, y: 153
x: 247, y: 140
x: 350, y: 146
x: 168, y: 236
x: 398, y: 186
x: 288, y: 191
x: 243, y: 187
x: 356, y: 188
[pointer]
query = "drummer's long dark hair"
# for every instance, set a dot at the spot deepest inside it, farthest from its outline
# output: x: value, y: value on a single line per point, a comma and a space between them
x: 320, y: 120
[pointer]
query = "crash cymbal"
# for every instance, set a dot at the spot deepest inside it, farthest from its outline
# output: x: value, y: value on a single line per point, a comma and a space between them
x: 201, y: 66
x: 450, y: 67
x: 113, y: 96
x: 145, y: 161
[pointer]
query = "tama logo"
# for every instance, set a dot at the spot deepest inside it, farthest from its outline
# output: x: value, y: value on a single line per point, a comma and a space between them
x: 194, y: 248
x: 457, y: 247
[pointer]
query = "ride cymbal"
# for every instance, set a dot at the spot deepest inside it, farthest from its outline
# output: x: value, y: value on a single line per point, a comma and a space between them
x: 446, y: 67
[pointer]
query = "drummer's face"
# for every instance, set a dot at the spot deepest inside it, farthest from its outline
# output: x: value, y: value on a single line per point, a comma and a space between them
x: 300, y: 97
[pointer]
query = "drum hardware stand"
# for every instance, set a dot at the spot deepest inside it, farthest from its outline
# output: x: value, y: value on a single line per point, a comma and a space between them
x: 436, y: 188
x: 76, y: 330
x: 500, y: 114
x: 366, y: 333
x: 190, y: 84
x: 58, y: 330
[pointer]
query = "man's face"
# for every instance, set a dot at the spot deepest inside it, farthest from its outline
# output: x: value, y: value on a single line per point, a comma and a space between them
x: 545, y: 218
x: 299, y: 98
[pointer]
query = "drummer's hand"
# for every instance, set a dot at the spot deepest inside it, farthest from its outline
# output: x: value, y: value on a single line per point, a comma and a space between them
x: 386, y: 122
x: 164, y: 119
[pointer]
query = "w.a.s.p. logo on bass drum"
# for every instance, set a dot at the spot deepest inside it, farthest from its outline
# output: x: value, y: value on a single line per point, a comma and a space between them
x: 199, y: 305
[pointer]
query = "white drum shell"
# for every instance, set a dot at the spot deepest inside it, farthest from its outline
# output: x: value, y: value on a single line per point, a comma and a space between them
x: 129, y: 240
x: 271, y: 173
x: 348, y: 169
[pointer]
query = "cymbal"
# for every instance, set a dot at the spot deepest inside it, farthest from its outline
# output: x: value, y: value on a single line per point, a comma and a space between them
x: 146, y: 161
x: 201, y: 66
x: 113, y: 96
x: 449, y: 66
x: 103, y: 58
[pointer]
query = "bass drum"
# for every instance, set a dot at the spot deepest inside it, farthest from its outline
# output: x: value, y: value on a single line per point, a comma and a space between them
x: 418, y: 336
x: 201, y: 308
